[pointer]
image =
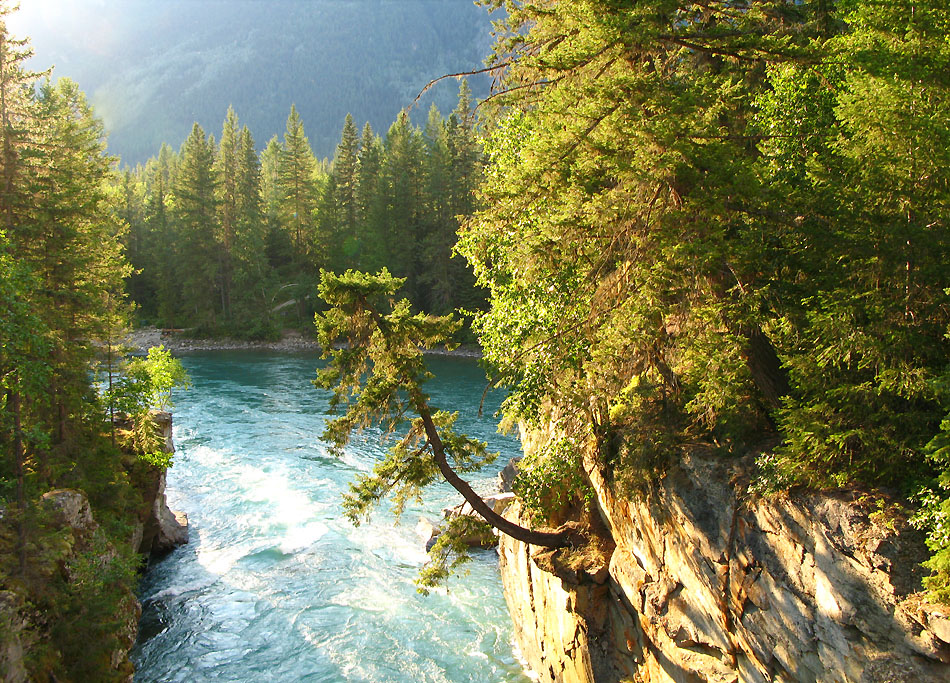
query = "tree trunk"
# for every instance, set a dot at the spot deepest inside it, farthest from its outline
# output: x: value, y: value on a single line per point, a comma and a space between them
x: 769, y: 376
x: 545, y: 539
x: 13, y: 400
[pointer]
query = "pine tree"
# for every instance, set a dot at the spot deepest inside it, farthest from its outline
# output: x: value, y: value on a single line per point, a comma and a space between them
x: 278, y: 240
x: 226, y: 175
x: 439, y: 226
x: 198, y: 269
x: 131, y: 210
x: 295, y: 178
x: 400, y: 190
x: 163, y: 245
x: 252, y: 271
x: 345, y: 176
x: 368, y: 201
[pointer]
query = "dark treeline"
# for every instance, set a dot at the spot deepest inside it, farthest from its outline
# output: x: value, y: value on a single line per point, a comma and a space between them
x: 228, y: 241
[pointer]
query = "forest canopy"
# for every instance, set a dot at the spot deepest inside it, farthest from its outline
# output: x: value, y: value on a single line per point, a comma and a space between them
x: 724, y: 225
x: 226, y: 240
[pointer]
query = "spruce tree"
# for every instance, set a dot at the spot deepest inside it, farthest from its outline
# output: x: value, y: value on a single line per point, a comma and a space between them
x: 226, y: 186
x: 252, y: 272
x: 278, y: 239
x: 338, y: 205
x: 198, y: 267
x: 295, y: 178
x: 368, y: 202
x: 400, y: 190
x: 163, y: 246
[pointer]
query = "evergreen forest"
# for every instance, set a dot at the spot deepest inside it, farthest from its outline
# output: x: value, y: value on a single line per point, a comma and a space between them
x: 716, y: 226
x: 226, y: 240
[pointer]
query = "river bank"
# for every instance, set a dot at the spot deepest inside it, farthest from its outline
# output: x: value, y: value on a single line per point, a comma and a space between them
x: 291, y: 341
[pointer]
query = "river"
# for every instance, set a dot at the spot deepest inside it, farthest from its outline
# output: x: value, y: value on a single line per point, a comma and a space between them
x: 276, y: 585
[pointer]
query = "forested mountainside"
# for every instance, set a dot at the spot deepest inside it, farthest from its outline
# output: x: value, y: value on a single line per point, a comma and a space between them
x: 152, y: 69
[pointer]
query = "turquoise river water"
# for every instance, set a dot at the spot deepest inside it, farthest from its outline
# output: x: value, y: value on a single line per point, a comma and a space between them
x: 276, y: 585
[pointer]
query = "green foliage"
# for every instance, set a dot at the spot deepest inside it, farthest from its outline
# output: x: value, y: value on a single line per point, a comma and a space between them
x: 146, y: 384
x: 97, y: 595
x: 408, y: 467
x: 933, y: 514
x: 162, y: 373
x: 377, y: 374
x: 376, y: 379
x: 450, y: 551
x: 61, y: 304
x: 717, y: 229
x: 226, y: 242
x: 551, y: 478
x: 721, y: 228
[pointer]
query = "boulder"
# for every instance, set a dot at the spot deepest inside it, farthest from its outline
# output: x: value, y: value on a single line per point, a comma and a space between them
x: 507, y: 475
x: 427, y: 531
x: 71, y: 509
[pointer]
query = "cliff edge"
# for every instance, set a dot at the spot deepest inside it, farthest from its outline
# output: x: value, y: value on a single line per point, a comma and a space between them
x: 704, y: 581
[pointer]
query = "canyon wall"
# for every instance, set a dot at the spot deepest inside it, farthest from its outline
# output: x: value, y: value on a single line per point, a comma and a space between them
x: 703, y: 581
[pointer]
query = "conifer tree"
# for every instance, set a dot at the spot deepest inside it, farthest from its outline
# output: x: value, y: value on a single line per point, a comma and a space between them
x: 160, y: 266
x: 439, y: 227
x: 226, y: 186
x: 295, y: 177
x: 198, y: 267
x: 400, y: 188
x: 368, y: 204
x: 278, y: 239
x: 338, y: 211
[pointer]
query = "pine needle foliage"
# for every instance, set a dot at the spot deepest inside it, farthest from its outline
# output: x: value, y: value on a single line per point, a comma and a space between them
x: 722, y: 225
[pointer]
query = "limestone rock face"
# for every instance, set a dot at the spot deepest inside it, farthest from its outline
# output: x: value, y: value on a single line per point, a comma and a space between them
x: 163, y: 529
x: 709, y: 583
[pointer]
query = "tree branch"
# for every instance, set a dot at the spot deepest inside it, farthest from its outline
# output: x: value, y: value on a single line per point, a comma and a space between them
x: 556, y: 539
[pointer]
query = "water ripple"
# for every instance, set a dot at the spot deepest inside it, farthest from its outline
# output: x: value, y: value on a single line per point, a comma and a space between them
x: 276, y: 584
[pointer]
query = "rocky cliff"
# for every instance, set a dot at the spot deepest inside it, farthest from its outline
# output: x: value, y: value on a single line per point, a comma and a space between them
x: 72, y: 557
x: 701, y: 581
x: 158, y: 529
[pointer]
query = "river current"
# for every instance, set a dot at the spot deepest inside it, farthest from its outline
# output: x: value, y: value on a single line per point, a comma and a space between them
x: 276, y: 585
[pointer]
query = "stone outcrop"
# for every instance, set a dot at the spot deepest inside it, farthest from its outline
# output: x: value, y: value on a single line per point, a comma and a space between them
x: 159, y: 529
x: 71, y: 511
x: 705, y: 582
x: 156, y: 529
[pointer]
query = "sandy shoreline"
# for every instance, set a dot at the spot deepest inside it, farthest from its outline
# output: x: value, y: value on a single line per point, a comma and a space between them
x: 146, y: 337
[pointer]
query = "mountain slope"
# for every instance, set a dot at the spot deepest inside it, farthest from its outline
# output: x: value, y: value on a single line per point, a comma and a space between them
x: 152, y: 69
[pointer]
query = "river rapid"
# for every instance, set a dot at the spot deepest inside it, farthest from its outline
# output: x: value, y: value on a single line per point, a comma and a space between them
x: 276, y: 585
